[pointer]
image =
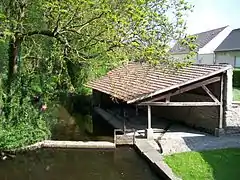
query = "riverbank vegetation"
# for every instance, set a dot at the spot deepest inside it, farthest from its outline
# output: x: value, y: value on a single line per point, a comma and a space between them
x: 50, y: 48
x: 236, y: 93
x: 216, y: 164
x: 236, y: 84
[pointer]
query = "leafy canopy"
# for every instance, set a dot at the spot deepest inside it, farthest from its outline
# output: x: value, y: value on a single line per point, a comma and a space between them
x: 55, y: 45
x: 93, y: 32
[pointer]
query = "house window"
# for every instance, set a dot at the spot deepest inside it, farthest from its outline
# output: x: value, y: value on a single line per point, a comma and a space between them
x: 237, y: 62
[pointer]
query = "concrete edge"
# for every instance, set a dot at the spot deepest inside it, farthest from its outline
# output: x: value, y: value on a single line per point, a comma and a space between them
x: 161, y: 168
x: 79, y: 144
x: 66, y: 144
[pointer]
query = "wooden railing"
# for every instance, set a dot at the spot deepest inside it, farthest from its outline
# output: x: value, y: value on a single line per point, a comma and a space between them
x: 126, y: 137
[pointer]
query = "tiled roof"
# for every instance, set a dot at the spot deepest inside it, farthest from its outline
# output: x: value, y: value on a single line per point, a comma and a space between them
x: 137, y: 81
x: 202, y: 39
x: 231, y: 43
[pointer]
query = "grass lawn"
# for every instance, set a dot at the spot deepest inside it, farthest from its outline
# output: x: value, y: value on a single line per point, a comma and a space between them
x: 236, y: 94
x: 221, y: 164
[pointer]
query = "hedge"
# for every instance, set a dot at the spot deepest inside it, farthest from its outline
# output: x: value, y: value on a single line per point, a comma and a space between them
x: 236, y: 78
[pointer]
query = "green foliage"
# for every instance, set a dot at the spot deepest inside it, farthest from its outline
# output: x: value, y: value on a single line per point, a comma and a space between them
x: 95, y: 33
x: 56, y: 46
x: 3, y: 56
x: 22, y: 122
x: 23, y: 134
x: 236, y: 77
x: 236, y: 93
x: 189, y: 43
x: 216, y: 164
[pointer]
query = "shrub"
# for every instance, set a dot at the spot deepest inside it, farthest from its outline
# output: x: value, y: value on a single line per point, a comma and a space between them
x: 236, y: 78
x: 22, y: 120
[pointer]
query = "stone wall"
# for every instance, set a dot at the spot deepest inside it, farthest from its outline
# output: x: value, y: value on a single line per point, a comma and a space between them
x: 205, y: 118
x: 232, y: 123
x: 201, y: 117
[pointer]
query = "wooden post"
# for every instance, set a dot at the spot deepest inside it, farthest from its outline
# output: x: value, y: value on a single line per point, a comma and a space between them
x: 168, y: 99
x: 149, y: 130
x: 221, y: 105
x: 149, y: 117
x: 136, y: 110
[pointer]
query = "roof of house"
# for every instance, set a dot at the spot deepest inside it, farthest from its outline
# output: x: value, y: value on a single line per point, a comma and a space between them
x: 136, y: 81
x: 231, y: 43
x: 202, y: 39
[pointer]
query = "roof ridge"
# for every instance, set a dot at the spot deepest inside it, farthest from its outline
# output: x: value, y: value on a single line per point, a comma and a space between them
x: 236, y: 29
x: 210, y: 30
x: 211, y: 65
x: 231, y: 42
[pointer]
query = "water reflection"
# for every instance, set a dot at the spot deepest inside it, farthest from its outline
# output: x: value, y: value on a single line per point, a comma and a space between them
x: 59, y: 164
x: 80, y: 127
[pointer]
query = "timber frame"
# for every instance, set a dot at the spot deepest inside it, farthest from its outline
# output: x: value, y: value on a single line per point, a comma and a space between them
x: 157, y: 101
x: 210, y: 86
x: 203, y: 84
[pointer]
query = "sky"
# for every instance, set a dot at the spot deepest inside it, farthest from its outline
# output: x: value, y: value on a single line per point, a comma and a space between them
x: 211, y: 14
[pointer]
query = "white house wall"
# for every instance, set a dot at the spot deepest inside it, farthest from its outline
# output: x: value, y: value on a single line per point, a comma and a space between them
x: 181, y: 57
x: 199, y: 59
x: 226, y: 57
x: 215, y: 42
x: 206, y: 58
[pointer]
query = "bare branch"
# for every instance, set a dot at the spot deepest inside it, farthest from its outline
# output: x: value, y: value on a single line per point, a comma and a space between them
x: 55, y: 31
x: 72, y: 18
x: 42, y: 32
x: 89, y: 21
x: 91, y: 39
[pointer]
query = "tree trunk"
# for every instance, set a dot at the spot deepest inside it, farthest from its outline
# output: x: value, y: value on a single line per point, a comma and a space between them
x: 14, y: 48
x: 70, y: 67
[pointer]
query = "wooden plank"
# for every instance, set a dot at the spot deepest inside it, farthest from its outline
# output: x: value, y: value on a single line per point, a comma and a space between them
x: 210, y: 93
x: 179, y: 104
x: 187, y: 88
x: 221, y: 105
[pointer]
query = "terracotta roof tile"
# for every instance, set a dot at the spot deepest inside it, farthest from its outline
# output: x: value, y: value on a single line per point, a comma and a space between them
x: 138, y: 81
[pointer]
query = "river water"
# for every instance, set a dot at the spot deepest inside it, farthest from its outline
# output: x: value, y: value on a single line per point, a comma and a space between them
x: 73, y: 164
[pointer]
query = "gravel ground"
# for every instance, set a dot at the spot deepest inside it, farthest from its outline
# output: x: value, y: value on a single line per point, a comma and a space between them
x: 179, y: 139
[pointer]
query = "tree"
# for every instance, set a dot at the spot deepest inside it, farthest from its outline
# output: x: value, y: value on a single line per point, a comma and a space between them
x: 51, y: 42
x: 89, y: 31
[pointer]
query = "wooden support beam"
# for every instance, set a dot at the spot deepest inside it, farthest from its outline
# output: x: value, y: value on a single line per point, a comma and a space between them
x: 210, y: 93
x: 149, y: 117
x: 221, y: 106
x: 187, y: 88
x: 168, y: 99
x: 136, y: 110
x: 179, y: 104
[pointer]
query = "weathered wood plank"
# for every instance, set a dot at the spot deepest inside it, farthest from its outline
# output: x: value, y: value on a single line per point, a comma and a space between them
x: 124, y: 139
x: 210, y: 93
x: 188, y: 88
x: 221, y: 105
x: 168, y: 99
x: 180, y: 104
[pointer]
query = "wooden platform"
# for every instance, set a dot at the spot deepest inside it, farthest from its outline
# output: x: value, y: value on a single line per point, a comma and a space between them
x: 124, y: 138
